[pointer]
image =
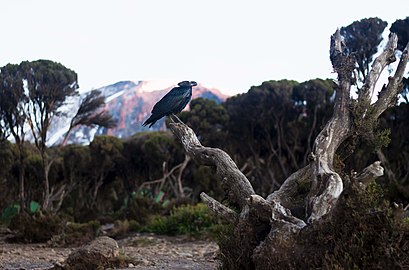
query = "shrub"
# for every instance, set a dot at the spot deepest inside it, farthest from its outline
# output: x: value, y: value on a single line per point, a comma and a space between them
x: 188, y: 219
x: 36, y: 228
x: 76, y: 234
x: 363, y: 233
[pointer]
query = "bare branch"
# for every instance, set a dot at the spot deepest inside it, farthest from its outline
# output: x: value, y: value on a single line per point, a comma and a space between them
x: 219, y: 209
x: 370, y: 173
x: 326, y: 193
x: 385, y: 58
x: 234, y: 182
x: 289, y: 190
x: 179, y: 177
x: 388, y: 95
x: 260, y: 208
x: 327, y: 185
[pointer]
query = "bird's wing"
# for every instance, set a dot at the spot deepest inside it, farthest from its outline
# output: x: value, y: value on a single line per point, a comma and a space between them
x: 170, y: 100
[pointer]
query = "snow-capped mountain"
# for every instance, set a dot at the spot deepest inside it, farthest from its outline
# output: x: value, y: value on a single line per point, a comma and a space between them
x: 130, y: 103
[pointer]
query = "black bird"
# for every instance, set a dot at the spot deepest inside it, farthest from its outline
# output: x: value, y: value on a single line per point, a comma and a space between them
x: 173, y: 102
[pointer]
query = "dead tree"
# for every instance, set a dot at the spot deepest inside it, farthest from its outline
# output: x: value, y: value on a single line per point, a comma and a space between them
x: 264, y: 226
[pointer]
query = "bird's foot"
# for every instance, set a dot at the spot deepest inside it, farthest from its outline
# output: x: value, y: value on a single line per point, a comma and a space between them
x: 171, y: 118
x: 177, y: 118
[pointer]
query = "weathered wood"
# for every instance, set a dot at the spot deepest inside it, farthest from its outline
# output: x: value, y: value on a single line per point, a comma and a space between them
x: 237, y: 187
x: 263, y: 226
x: 388, y: 96
x: 287, y: 194
x: 369, y: 174
x: 219, y: 209
x: 327, y: 185
x: 379, y: 64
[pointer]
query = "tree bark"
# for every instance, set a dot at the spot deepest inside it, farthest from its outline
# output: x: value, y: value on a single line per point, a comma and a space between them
x: 265, y: 227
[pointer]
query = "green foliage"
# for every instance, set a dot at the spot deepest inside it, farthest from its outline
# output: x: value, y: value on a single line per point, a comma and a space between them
x: 12, y: 117
x: 362, y: 39
x: 382, y: 139
x: 106, y: 155
x: 105, y: 149
x: 49, y: 84
x: 139, y: 209
x: 76, y: 161
x: 316, y: 92
x: 272, y: 127
x: 188, y: 219
x: 369, y: 135
x: 401, y: 28
x: 145, y: 154
x: 158, y: 147
x: 91, y: 113
x: 36, y: 228
x: 370, y: 236
x: 75, y: 234
x: 397, y: 153
x: 361, y: 233
x: 268, y: 131
x: 205, y: 178
x: 207, y: 119
x: 8, y: 213
x: 134, y: 226
x: 7, y: 155
x: 34, y: 207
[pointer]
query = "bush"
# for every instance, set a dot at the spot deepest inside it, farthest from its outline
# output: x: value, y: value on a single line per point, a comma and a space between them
x: 76, y: 234
x: 8, y: 213
x: 364, y: 233
x: 188, y: 219
x: 36, y: 228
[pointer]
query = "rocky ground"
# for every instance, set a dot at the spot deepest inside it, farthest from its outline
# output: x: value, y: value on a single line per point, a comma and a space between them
x: 146, y: 251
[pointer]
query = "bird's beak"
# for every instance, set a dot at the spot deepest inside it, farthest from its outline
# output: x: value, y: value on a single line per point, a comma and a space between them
x: 192, y: 83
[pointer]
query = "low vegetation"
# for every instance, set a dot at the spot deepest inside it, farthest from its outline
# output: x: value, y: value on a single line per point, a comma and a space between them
x: 68, y: 195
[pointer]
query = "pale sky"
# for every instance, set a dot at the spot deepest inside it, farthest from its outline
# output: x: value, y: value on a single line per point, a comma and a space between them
x: 229, y: 45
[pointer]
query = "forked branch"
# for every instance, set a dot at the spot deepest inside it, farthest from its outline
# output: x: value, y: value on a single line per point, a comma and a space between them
x: 235, y: 184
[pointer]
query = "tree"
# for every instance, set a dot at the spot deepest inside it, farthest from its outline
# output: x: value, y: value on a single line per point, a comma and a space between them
x: 32, y: 94
x: 106, y: 154
x: 77, y: 173
x: 362, y: 39
x: 269, y: 110
x: 208, y: 119
x: 401, y: 28
x: 270, y: 126
x: 314, y: 97
x: 395, y: 158
x: 12, y: 116
x: 265, y: 230
x: 90, y: 113
x: 7, y: 159
x: 48, y: 85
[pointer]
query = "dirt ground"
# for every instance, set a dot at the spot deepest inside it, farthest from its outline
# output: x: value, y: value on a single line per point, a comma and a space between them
x: 146, y: 250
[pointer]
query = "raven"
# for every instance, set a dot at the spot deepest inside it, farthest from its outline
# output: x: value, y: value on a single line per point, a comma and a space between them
x: 173, y: 102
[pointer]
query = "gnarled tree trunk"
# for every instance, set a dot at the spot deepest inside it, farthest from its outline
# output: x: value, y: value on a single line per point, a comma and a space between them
x: 263, y: 227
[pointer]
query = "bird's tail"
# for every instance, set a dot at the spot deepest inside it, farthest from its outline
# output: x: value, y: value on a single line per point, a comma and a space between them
x: 150, y: 121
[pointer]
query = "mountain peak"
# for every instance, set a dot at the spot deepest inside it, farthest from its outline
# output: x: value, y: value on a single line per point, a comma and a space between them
x: 131, y: 103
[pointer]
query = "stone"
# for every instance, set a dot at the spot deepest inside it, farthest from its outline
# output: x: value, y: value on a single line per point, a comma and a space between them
x: 99, y: 254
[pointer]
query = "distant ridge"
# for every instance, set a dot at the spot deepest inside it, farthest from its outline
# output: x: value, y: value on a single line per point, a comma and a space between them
x: 130, y: 103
